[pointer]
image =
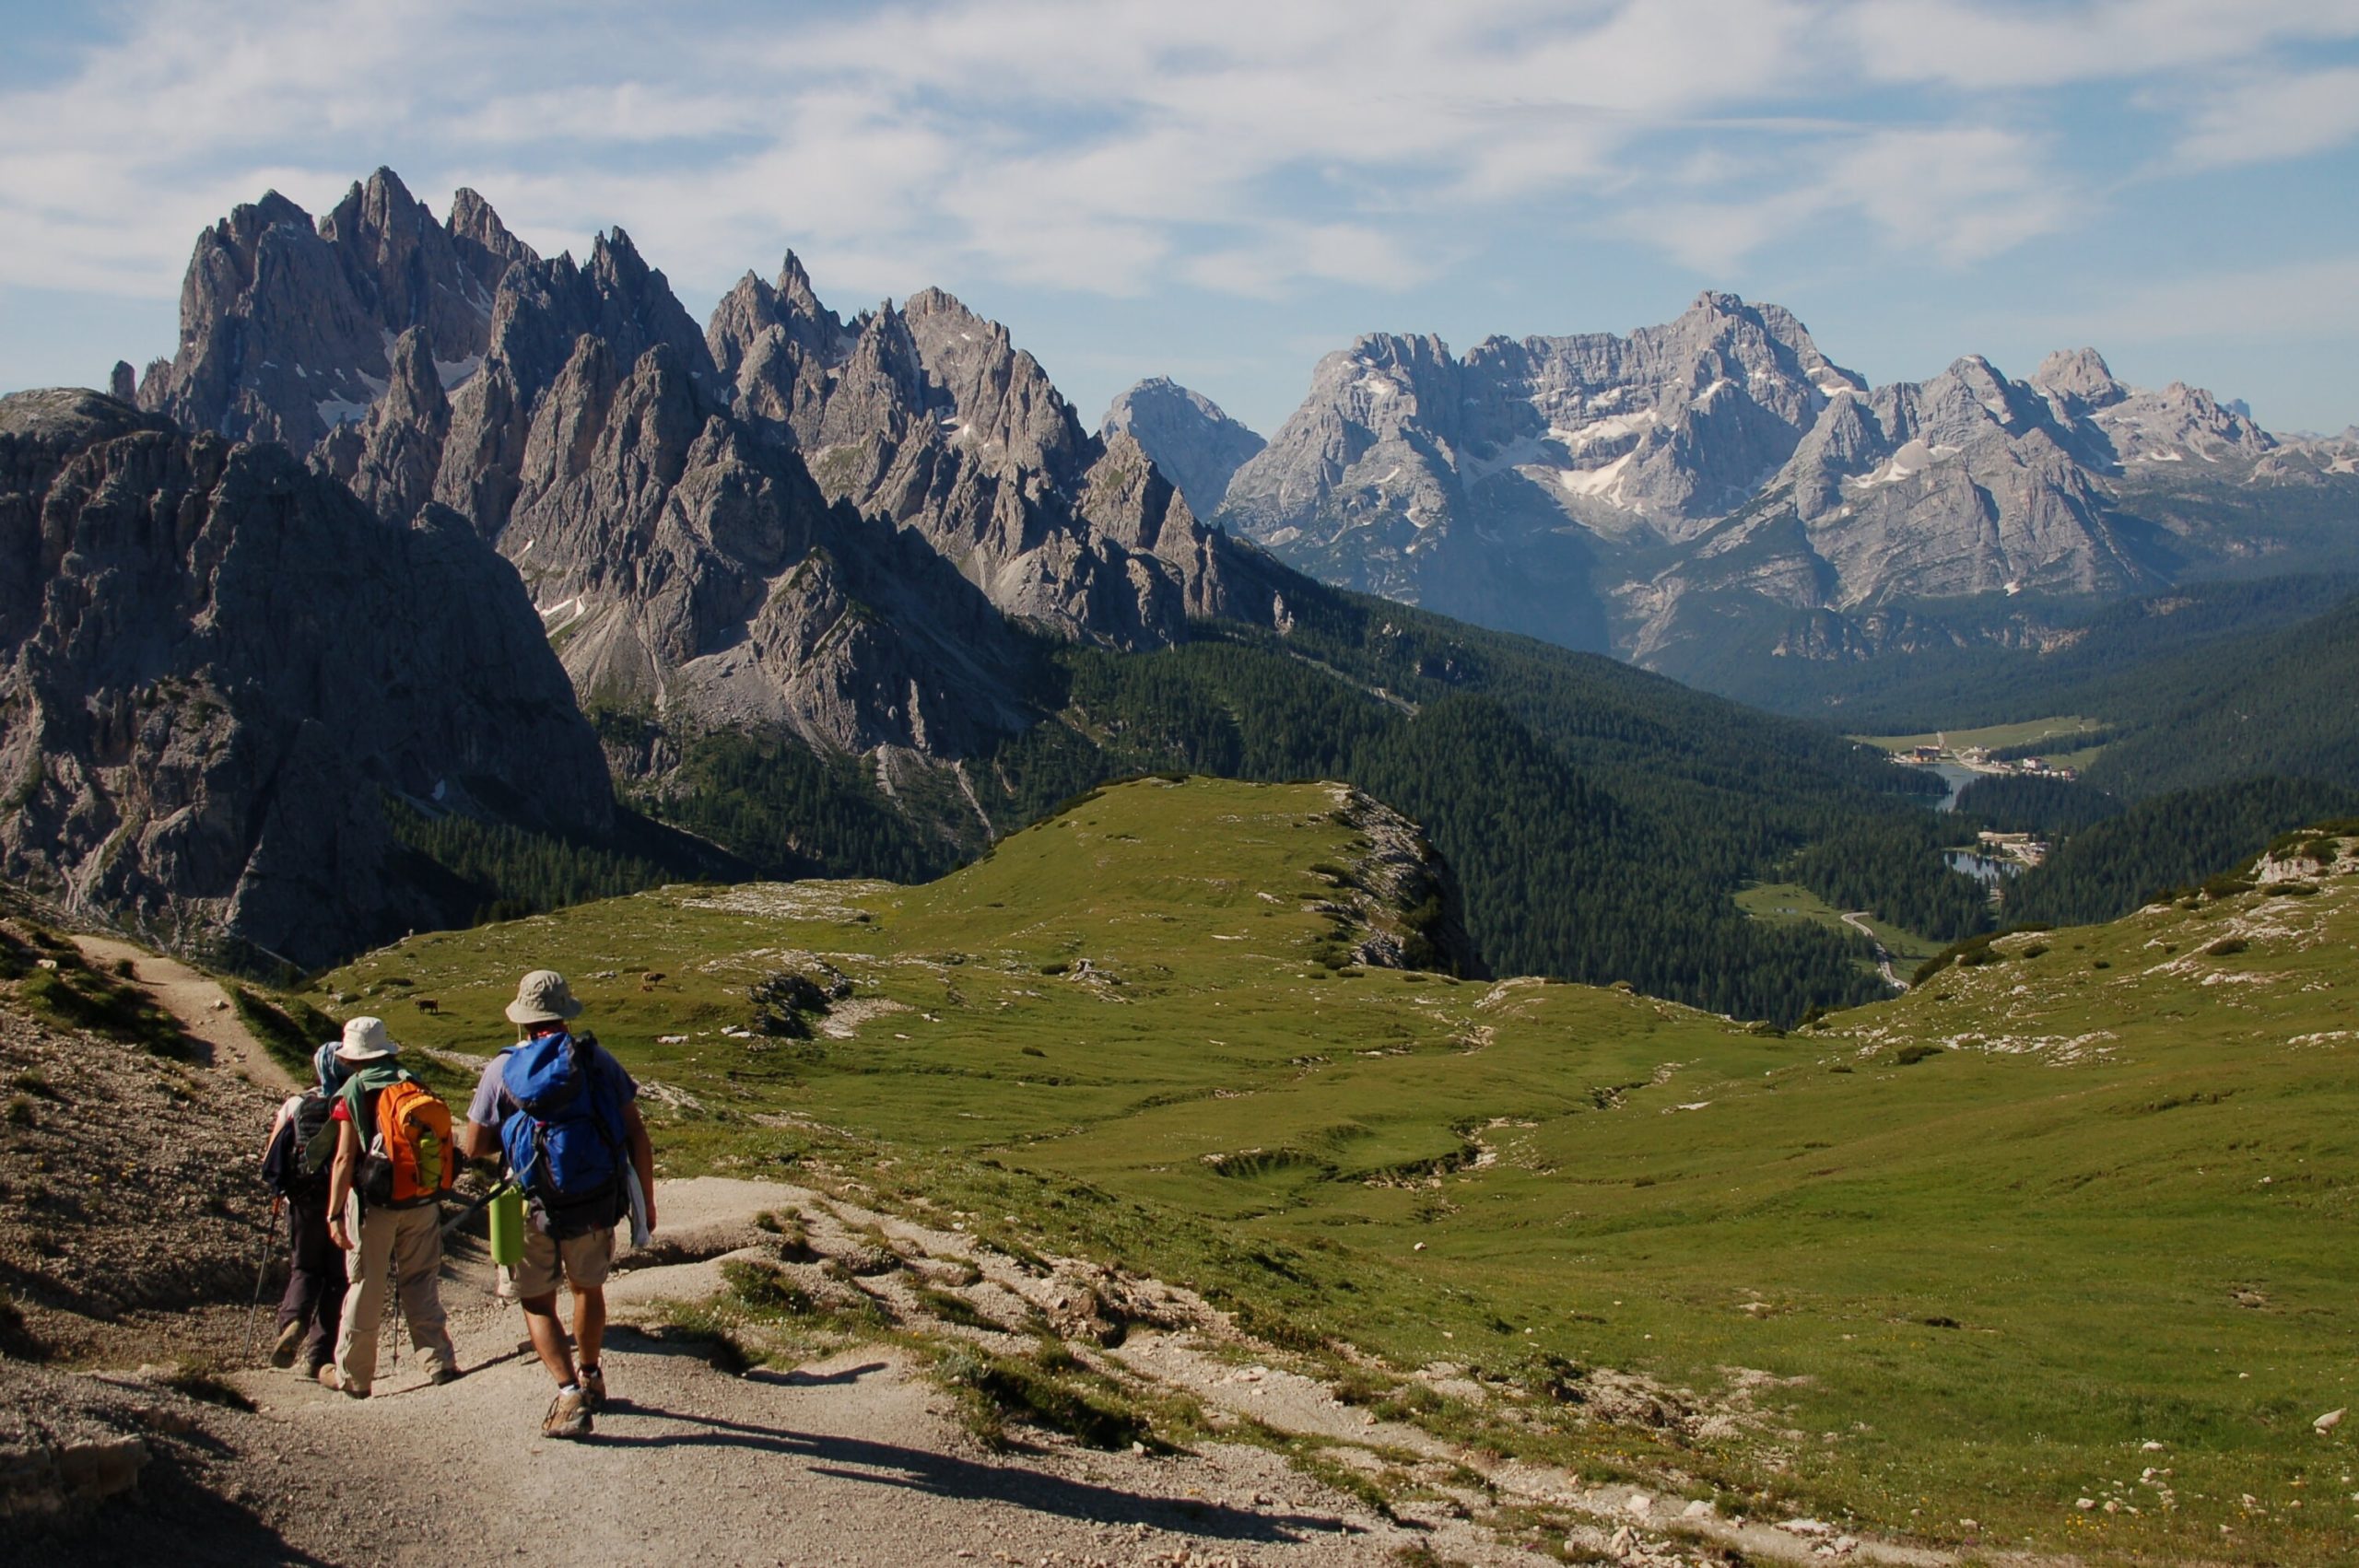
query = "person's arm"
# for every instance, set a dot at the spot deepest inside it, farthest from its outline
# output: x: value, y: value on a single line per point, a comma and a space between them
x: 476, y: 1141
x: 347, y: 1160
x: 642, y: 1156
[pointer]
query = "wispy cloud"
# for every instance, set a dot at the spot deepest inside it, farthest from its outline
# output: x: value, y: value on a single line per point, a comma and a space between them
x: 2268, y: 117
x: 1116, y: 147
x: 2305, y: 300
x: 1955, y: 195
x: 1981, y: 44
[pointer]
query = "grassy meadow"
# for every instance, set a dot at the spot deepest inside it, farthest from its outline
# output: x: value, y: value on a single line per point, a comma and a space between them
x: 1791, y: 901
x: 2066, y: 727
x: 2073, y: 1221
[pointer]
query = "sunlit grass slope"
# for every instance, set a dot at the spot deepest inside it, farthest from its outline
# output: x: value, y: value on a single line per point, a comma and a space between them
x: 2112, y: 1208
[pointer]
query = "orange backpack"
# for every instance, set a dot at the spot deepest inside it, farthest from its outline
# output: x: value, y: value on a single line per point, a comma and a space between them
x: 409, y: 1163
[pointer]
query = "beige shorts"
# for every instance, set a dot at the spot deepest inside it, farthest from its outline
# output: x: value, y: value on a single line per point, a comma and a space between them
x: 583, y: 1261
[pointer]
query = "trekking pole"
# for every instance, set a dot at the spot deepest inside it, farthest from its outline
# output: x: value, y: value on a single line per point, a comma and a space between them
x: 261, y: 1271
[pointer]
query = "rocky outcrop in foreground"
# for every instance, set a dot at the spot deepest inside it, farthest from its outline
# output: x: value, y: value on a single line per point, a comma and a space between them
x: 217, y: 666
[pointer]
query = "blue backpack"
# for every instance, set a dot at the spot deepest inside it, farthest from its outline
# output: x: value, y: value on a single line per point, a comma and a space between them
x: 564, y: 1141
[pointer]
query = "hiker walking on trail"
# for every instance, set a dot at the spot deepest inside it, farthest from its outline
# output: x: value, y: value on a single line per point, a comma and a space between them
x: 564, y: 1115
x: 393, y: 1164
x: 297, y: 1164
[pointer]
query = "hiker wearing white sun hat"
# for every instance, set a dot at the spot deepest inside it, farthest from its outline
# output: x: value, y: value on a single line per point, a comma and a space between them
x: 393, y: 1162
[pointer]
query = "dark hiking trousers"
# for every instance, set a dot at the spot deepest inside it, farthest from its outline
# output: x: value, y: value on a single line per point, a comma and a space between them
x: 315, y: 1282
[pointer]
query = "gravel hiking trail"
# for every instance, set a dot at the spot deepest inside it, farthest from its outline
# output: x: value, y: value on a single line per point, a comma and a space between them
x: 854, y: 1460
x: 200, y: 1004
x: 855, y: 1456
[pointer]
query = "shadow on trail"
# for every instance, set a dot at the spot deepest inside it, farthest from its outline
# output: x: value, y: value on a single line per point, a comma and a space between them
x: 947, y: 1476
x: 799, y: 1378
x: 171, y: 1518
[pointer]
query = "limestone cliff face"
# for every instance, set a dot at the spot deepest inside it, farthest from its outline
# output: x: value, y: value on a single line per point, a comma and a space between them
x: 686, y: 566
x: 655, y: 484
x: 217, y: 666
x: 288, y: 327
x: 927, y: 416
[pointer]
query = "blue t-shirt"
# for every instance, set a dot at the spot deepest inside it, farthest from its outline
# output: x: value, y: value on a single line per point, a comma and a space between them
x: 492, y: 1105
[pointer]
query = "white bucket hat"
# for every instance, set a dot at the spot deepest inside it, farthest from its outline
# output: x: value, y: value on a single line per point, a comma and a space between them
x: 365, y: 1040
x: 543, y: 997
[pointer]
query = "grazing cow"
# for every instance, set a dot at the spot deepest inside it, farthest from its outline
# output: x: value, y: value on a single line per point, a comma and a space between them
x: 427, y: 1004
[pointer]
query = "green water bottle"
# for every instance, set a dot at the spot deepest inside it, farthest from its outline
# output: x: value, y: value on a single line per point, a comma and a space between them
x: 507, y: 1225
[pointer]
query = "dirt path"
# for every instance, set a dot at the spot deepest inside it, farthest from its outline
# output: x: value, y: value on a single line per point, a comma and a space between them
x: 1858, y: 921
x: 854, y: 1459
x: 855, y: 1456
x: 200, y: 1004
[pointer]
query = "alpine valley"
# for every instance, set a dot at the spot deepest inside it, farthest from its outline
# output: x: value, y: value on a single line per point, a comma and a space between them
x: 431, y: 579
x: 855, y: 596
x: 1152, y: 1057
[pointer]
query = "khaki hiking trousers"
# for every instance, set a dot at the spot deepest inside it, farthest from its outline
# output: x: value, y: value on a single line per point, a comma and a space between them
x: 408, y: 1245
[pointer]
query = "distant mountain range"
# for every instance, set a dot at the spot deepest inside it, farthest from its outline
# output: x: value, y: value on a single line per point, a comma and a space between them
x: 1717, y: 490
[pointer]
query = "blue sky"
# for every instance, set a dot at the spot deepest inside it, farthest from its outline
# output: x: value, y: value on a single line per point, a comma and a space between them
x: 1222, y: 190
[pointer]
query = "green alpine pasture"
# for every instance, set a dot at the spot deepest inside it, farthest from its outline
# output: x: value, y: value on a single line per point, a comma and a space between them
x: 1791, y: 901
x: 2027, y: 732
x: 2071, y: 1221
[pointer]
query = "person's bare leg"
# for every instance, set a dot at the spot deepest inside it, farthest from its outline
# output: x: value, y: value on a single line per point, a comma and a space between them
x: 590, y: 1323
x: 548, y: 1337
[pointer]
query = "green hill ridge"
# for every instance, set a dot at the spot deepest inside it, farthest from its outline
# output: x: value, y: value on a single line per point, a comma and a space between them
x: 2069, y: 1221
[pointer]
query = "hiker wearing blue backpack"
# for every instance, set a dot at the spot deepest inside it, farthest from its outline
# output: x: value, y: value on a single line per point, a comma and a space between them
x: 564, y: 1116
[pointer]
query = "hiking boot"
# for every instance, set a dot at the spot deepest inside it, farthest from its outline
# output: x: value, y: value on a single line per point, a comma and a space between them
x: 444, y: 1375
x: 593, y: 1389
x: 290, y: 1340
x: 569, y: 1415
x: 330, y: 1378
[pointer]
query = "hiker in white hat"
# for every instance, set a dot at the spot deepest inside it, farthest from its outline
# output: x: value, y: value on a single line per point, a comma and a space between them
x: 384, y: 1207
x: 564, y: 1116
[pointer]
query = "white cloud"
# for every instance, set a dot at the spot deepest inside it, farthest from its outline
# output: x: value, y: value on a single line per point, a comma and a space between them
x: 2006, y: 43
x: 1959, y: 195
x: 1287, y: 254
x: 2270, y: 117
x: 2305, y: 302
x: 1118, y: 147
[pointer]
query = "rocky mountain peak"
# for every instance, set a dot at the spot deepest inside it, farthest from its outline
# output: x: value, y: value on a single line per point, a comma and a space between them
x: 2082, y: 377
x: 286, y: 325
x: 472, y: 219
x: 1561, y: 444
x: 795, y: 288
x: 1196, y: 445
x: 665, y: 490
